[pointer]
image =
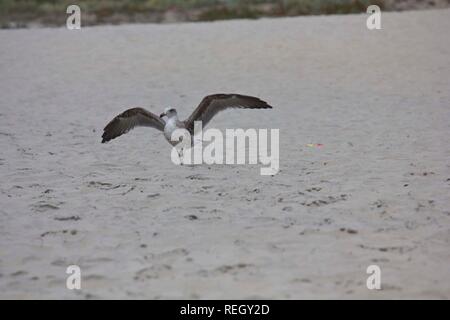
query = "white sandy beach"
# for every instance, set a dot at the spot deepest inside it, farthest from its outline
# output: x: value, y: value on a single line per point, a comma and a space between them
x: 376, y: 192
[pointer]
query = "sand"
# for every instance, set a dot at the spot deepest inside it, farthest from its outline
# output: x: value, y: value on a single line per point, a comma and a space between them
x: 376, y: 193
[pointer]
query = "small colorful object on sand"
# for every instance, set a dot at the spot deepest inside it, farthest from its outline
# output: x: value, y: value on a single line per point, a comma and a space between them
x: 314, y: 145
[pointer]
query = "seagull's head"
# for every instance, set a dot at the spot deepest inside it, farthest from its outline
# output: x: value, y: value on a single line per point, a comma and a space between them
x: 168, y: 112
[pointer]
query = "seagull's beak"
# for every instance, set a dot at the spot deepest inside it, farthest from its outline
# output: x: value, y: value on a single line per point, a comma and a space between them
x: 162, y: 114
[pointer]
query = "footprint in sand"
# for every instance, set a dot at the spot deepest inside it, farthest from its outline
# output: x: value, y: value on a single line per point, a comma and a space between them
x: 43, y: 206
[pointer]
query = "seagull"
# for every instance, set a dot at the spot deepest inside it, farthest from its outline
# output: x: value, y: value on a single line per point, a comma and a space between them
x: 206, y: 110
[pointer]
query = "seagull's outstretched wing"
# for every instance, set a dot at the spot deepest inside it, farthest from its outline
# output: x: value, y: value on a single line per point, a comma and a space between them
x: 127, y: 120
x: 213, y: 104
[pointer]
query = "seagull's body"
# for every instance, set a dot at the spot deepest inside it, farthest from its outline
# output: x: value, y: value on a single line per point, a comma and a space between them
x: 208, y: 108
x: 171, y: 125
